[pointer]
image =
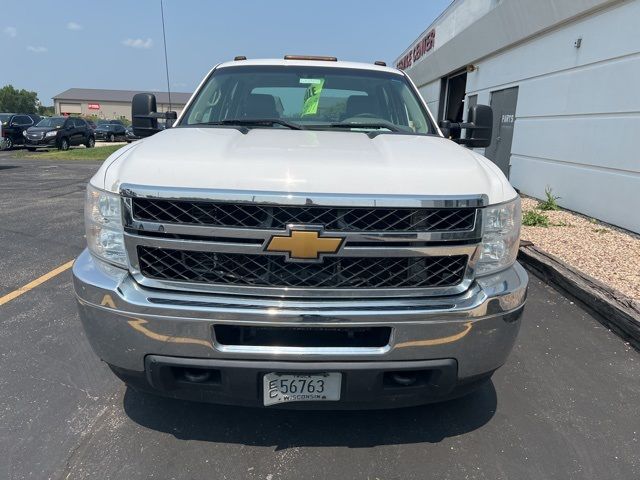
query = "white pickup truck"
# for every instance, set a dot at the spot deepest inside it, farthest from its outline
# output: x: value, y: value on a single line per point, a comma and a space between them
x: 304, y: 236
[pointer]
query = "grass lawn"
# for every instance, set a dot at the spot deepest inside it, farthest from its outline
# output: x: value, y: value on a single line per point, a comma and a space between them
x: 78, y: 153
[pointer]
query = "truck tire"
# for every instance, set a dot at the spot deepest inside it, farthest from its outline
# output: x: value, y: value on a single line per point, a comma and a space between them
x: 64, y: 144
x: 91, y: 142
x: 112, y: 138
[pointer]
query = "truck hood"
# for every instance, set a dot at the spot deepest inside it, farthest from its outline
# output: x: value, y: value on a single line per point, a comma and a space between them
x: 294, y: 161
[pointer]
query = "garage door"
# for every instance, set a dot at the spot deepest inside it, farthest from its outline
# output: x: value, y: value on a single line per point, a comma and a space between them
x: 70, y: 108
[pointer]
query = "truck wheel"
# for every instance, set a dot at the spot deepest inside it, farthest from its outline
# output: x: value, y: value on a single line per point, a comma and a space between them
x: 64, y: 145
x: 8, y: 144
x: 90, y: 143
x: 112, y: 138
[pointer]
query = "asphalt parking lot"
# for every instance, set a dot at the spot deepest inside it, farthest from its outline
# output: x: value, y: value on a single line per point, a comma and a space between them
x: 565, y: 406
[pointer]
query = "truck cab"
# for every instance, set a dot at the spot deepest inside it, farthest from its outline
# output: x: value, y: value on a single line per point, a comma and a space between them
x: 303, y: 236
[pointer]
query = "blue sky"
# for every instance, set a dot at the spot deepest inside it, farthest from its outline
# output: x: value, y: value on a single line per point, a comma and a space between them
x: 118, y: 44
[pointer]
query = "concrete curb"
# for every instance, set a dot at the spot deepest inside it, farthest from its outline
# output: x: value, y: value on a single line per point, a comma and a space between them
x: 614, y: 310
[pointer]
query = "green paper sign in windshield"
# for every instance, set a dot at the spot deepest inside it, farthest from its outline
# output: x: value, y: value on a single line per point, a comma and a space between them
x: 312, y: 95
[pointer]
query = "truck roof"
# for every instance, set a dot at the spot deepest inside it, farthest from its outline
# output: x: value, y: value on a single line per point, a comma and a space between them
x: 308, y: 63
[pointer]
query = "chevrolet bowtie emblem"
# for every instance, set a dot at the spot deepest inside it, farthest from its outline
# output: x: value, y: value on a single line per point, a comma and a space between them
x: 304, y: 245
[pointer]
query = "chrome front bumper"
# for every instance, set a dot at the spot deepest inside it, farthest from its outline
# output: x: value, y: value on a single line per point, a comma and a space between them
x: 126, y: 322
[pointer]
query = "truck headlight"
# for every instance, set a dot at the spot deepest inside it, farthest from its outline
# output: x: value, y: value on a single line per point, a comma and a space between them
x: 500, y: 237
x: 103, y: 225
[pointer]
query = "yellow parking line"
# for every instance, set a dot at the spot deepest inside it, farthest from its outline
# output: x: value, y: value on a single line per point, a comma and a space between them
x: 33, y: 284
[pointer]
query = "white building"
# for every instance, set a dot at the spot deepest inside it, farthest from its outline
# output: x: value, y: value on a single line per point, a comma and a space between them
x: 562, y: 77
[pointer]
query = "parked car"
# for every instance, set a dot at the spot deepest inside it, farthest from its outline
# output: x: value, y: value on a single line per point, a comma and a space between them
x: 131, y: 136
x: 60, y: 133
x: 110, y: 131
x: 13, y: 128
x: 350, y: 257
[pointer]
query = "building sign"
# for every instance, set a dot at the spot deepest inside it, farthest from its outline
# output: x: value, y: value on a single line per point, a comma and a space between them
x: 506, y: 118
x: 94, y: 106
x: 419, y: 50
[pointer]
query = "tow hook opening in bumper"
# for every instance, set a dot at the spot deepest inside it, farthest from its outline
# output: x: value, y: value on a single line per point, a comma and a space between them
x: 403, y: 379
x: 196, y: 375
x: 171, y: 377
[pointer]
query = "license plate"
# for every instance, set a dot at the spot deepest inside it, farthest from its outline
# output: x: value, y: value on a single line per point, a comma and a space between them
x: 317, y: 387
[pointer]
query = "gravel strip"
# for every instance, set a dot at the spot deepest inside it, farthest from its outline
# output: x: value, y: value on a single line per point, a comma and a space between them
x: 605, y: 252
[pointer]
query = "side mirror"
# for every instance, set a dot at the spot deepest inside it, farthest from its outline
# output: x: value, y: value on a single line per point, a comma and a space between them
x: 481, y: 117
x: 144, y: 115
x: 144, y: 118
x: 479, y: 127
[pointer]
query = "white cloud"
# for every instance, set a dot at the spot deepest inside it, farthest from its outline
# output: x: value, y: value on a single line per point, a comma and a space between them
x: 74, y: 26
x: 10, y: 31
x: 138, y: 43
x: 37, y: 49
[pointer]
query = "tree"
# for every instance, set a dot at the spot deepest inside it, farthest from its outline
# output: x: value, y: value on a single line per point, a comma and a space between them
x: 47, y: 111
x: 18, y: 101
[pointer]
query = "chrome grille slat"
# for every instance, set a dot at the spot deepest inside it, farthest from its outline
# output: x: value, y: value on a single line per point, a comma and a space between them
x: 264, y: 216
x: 273, y: 271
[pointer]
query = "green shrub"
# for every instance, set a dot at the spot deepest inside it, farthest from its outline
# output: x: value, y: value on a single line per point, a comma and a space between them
x: 551, y: 202
x: 533, y: 218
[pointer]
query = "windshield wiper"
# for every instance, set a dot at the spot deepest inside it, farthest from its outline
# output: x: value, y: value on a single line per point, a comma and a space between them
x: 257, y: 122
x: 367, y: 125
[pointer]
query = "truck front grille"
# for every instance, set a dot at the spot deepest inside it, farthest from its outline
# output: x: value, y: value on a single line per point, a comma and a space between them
x: 217, y: 242
x: 274, y: 271
x: 361, y: 219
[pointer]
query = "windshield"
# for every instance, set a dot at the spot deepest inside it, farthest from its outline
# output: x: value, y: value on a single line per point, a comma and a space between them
x: 311, y: 98
x: 55, y: 122
x: 4, y: 117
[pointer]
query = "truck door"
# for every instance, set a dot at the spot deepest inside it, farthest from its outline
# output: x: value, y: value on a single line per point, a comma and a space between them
x: 503, y: 103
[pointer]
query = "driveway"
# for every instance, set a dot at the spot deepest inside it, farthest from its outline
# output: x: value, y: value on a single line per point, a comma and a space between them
x: 565, y: 406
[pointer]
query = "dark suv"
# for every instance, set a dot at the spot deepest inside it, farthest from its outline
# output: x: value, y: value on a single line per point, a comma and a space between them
x: 13, y: 128
x: 61, y: 133
x: 111, y: 130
